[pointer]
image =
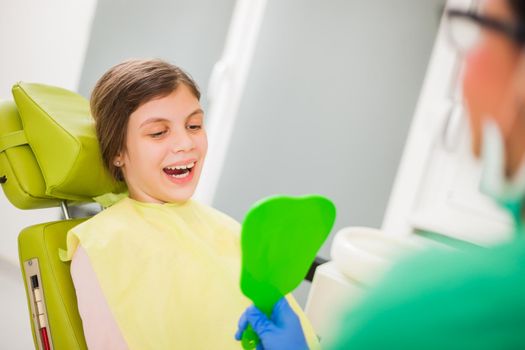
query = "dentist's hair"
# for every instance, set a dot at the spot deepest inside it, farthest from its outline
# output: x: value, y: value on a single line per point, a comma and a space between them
x: 123, y: 89
x: 518, y: 7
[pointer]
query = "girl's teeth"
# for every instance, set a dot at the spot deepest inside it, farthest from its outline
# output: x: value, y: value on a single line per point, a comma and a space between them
x: 181, y: 175
x: 182, y: 167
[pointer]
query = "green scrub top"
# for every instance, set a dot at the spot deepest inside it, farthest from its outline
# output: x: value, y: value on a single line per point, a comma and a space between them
x: 469, y: 299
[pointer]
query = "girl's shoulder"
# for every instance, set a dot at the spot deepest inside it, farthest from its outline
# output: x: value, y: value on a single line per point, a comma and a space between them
x: 101, y: 228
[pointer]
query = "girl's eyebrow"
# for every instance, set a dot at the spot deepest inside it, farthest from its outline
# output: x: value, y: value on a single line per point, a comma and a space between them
x: 153, y: 120
x: 197, y: 111
x: 160, y: 119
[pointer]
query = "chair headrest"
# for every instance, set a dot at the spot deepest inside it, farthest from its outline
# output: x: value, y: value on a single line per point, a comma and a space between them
x: 49, y: 150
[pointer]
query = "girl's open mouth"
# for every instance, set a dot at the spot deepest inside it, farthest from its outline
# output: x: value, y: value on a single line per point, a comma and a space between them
x: 179, y: 171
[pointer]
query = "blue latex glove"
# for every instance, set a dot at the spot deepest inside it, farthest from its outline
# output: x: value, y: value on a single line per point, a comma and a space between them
x: 282, y: 331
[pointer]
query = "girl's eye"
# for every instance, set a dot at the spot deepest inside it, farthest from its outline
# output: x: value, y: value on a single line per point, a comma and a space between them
x: 156, y: 135
x: 194, y: 127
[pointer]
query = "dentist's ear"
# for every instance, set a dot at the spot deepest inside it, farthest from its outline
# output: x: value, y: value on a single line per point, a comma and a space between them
x: 519, y: 86
x: 519, y: 78
x: 513, y: 106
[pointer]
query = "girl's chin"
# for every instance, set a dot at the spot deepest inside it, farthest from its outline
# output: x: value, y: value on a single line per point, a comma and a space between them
x: 173, y: 195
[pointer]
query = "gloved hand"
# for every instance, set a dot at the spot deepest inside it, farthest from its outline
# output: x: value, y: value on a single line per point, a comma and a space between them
x: 282, y: 331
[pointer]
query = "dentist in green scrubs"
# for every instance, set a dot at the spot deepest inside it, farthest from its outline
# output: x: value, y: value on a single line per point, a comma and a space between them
x: 469, y: 299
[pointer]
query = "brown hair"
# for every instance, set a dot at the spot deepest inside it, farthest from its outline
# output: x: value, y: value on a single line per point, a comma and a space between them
x: 123, y: 89
x: 518, y: 7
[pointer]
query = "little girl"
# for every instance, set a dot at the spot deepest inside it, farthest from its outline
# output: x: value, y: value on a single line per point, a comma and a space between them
x: 156, y: 270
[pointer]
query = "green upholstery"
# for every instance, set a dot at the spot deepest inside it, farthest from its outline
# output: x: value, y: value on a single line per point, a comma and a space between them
x: 61, y: 132
x: 49, y: 154
x: 43, y: 242
x: 24, y: 187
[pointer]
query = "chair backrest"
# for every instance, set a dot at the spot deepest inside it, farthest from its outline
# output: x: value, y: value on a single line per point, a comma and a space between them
x: 49, y: 157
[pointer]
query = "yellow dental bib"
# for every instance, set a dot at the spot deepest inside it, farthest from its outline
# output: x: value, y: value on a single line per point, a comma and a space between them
x: 169, y: 273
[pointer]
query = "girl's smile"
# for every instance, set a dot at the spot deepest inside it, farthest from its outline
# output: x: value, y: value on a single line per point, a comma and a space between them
x: 180, y: 173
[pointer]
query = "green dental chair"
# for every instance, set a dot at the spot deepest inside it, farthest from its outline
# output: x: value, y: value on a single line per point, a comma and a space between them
x: 49, y: 157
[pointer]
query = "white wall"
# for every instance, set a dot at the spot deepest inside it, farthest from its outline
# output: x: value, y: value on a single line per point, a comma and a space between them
x: 327, y: 105
x: 45, y: 42
x: 42, y: 41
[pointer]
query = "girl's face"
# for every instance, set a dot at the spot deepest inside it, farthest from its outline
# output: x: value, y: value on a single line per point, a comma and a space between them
x: 489, y: 82
x: 165, y: 148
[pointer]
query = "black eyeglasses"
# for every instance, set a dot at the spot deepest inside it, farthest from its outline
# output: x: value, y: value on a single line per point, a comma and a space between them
x: 465, y: 28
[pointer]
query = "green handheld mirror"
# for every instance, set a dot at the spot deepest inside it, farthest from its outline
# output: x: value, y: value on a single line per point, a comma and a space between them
x: 280, y: 238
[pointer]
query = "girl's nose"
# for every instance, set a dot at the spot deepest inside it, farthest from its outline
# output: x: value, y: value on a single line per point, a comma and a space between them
x: 182, y: 142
